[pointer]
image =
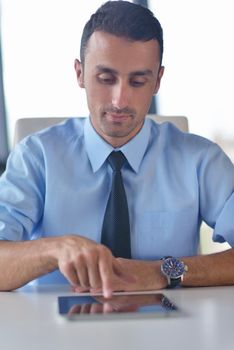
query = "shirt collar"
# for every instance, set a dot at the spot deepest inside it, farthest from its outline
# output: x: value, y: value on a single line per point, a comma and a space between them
x: 98, y: 149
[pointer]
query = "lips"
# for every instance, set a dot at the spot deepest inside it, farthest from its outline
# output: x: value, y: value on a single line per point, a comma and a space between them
x: 117, y: 117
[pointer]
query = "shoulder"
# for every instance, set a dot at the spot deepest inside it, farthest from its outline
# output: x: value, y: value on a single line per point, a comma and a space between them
x: 168, y: 135
x: 186, y: 148
x: 55, y: 141
x: 67, y: 131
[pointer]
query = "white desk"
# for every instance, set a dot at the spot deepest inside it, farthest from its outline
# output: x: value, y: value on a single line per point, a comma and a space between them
x: 29, y: 320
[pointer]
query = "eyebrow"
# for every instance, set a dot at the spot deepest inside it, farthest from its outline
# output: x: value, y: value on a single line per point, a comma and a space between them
x: 142, y: 72
x: 104, y: 69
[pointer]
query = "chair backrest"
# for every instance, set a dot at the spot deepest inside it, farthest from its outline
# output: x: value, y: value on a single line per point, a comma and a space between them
x: 179, y: 121
x: 27, y: 126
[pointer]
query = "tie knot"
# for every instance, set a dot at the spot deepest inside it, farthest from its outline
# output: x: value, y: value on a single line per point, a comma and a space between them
x: 116, y: 160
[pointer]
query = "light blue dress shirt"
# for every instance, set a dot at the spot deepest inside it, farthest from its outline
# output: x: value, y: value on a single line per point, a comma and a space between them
x: 58, y: 181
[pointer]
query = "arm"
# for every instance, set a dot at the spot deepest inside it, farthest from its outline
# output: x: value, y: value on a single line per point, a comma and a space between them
x: 21, y: 262
x: 215, y: 180
x: 203, y: 270
x: 210, y: 270
x: 90, y: 266
x: 85, y: 264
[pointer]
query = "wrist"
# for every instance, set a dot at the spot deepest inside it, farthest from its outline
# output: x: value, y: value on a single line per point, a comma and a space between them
x: 49, y: 252
x: 174, y: 270
x: 160, y: 280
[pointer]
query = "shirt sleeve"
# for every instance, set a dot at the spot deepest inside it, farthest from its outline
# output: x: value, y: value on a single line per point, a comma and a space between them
x: 216, y: 187
x: 22, y: 192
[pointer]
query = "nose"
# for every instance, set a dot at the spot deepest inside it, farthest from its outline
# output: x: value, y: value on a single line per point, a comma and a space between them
x: 121, y: 95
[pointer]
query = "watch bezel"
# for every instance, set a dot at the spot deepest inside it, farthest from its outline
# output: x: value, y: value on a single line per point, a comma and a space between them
x: 173, y: 269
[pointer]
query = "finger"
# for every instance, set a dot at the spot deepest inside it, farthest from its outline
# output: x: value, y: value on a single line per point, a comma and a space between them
x: 69, y: 271
x: 80, y: 289
x: 94, y: 278
x: 107, y: 275
x: 93, y: 271
x: 82, y: 273
x: 95, y: 290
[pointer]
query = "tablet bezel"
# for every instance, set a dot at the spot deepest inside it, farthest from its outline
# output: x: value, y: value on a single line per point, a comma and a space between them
x: 166, y: 308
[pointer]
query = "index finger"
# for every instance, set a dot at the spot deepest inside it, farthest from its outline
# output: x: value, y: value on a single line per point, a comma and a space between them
x: 106, y: 274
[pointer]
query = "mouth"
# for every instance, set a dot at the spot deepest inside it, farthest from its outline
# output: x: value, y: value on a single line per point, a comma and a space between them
x: 117, y: 118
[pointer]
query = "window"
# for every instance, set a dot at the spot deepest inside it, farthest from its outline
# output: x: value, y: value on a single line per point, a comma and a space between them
x: 199, y: 70
x: 40, y: 40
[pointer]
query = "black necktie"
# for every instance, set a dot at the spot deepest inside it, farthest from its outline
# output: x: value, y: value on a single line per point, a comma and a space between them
x: 116, y: 229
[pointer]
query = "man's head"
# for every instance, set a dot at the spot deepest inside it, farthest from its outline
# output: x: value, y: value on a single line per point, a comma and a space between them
x: 123, y: 19
x: 120, y: 68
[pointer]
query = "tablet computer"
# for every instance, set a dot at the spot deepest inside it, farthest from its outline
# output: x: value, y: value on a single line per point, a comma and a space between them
x: 120, y: 305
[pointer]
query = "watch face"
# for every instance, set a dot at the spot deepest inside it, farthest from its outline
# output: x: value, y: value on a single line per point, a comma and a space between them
x: 173, y: 267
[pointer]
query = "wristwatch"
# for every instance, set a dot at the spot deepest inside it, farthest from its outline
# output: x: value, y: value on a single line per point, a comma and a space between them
x: 174, y: 270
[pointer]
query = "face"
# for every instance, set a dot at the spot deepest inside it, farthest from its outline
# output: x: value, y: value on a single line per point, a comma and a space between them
x: 120, y: 78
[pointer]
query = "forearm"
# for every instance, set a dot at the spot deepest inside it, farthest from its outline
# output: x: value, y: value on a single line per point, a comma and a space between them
x: 21, y: 262
x: 203, y: 270
x: 210, y: 270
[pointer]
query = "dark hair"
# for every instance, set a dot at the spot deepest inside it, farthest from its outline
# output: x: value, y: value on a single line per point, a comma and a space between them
x: 123, y: 19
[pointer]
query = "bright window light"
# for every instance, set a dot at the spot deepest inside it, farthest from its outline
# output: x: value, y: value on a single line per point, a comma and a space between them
x: 40, y: 40
x: 199, y: 70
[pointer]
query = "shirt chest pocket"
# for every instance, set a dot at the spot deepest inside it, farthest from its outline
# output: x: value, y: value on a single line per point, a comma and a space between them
x: 160, y: 233
x: 152, y: 221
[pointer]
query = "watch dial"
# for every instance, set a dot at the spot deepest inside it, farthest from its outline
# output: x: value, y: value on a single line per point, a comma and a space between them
x: 173, y: 267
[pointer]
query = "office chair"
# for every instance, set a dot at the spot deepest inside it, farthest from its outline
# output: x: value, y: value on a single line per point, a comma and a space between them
x: 27, y: 126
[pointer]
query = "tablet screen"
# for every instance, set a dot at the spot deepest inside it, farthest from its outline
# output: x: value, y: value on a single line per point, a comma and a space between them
x: 87, y: 306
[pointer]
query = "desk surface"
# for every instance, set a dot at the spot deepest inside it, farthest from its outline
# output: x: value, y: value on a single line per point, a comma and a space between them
x: 29, y: 320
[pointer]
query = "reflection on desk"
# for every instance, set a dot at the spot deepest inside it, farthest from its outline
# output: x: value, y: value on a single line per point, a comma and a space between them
x: 30, y: 320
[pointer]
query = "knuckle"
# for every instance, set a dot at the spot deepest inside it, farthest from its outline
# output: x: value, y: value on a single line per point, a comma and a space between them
x: 104, y: 251
x: 65, y: 266
x: 91, y: 254
x: 69, y: 241
x: 79, y: 259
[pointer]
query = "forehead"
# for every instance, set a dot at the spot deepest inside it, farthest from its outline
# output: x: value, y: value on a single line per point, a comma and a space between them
x: 121, y: 54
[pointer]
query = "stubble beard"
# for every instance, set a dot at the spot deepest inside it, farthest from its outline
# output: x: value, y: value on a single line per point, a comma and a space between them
x: 121, y: 128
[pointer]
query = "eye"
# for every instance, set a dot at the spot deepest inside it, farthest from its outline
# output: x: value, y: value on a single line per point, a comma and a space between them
x: 106, y: 78
x: 136, y: 82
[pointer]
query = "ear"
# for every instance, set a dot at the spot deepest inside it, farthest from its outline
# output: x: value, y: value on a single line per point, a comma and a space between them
x: 158, y: 81
x: 79, y: 72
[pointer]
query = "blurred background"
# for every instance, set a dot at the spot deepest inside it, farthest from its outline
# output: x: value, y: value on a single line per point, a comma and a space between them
x: 40, y: 40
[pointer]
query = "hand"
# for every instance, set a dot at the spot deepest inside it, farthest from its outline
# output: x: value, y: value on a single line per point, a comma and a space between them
x: 88, y: 265
x: 147, y: 275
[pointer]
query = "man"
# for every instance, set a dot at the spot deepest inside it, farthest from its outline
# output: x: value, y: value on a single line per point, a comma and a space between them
x: 54, y: 193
